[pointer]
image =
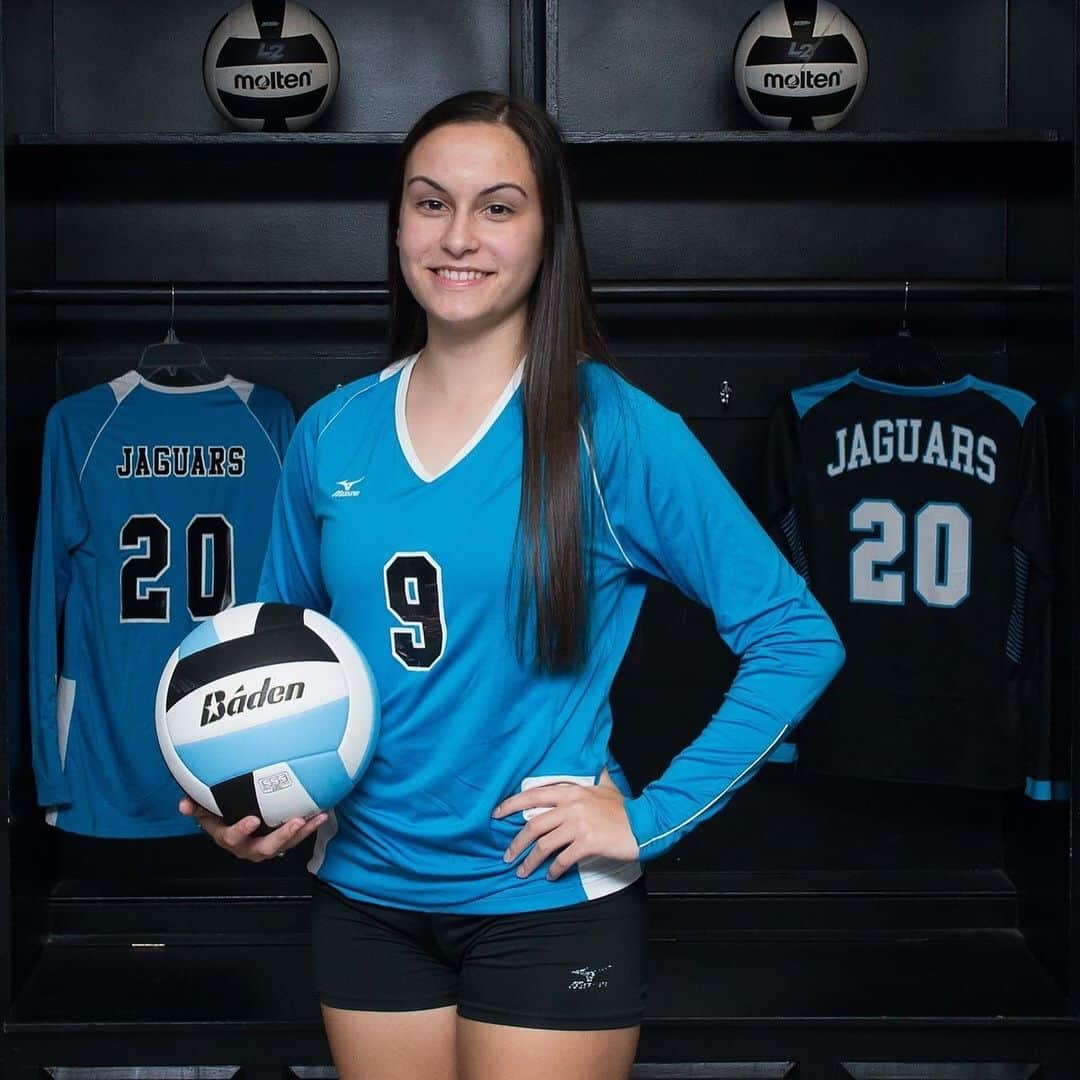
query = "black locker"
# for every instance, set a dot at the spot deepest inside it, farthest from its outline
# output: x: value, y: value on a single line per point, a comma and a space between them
x: 811, y: 930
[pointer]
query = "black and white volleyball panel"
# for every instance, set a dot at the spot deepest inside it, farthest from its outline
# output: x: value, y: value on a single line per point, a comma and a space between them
x: 800, y: 65
x: 271, y: 65
x: 267, y: 709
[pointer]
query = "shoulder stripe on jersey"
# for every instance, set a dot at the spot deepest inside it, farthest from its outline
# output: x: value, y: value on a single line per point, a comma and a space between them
x: 806, y: 397
x: 241, y: 387
x: 600, y: 494
x: 123, y: 385
x: 120, y: 387
x: 749, y: 768
x: 395, y: 367
x: 244, y: 401
x: 383, y: 376
x: 1016, y: 401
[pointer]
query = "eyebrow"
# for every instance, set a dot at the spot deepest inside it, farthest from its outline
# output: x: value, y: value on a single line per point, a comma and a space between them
x: 486, y: 191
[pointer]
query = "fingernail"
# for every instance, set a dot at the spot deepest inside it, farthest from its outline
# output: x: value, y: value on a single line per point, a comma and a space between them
x: 521, y: 871
x: 507, y: 856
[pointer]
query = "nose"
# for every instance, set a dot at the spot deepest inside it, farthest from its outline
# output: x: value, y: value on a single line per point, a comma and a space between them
x: 459, y: 237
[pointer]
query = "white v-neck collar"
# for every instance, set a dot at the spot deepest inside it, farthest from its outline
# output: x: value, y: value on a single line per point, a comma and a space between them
x: 405, y: 441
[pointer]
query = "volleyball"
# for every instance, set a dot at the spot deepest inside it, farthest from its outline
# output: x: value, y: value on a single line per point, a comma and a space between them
x: 267, y: 709
x: 271, y: 66
x: 800, y: 65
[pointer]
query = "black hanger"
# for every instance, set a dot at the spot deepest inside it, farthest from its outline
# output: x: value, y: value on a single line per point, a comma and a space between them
x: 905, y: 359
x: 173, y: 362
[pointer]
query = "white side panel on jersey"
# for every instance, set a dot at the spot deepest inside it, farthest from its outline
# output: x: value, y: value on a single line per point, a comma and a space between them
x: 362, y: 727
x: 323, y: 835
x: 65, y: 703
x: 541, y: 781
x: 601, y: 876
x: 280, y: 795
x: 323, y: 682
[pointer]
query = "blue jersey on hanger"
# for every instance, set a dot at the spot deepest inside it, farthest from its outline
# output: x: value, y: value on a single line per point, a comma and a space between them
x: 155, y: 508
x: 418, y: 569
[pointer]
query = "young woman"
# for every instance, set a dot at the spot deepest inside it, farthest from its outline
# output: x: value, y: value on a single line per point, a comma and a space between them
x: 482, y: 517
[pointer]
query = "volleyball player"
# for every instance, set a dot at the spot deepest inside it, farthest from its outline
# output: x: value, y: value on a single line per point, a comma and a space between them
x: 482, y: 517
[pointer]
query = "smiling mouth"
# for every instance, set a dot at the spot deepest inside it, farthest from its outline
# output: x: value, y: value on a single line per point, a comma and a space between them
x: 460, y: 277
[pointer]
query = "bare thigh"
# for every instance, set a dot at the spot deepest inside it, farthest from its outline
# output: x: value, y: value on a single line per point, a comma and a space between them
x: 393, y: 1045
x: 501, y: 1052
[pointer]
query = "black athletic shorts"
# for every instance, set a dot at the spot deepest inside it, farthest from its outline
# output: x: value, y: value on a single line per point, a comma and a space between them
x: 580, y: 967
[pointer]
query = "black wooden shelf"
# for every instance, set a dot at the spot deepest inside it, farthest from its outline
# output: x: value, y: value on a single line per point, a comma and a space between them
x: 685, y: 905
x: 374, y: 292
x: 207, y: 139
x: 1010, y: 136
x: 1032, y: 136
x: 952, y: 977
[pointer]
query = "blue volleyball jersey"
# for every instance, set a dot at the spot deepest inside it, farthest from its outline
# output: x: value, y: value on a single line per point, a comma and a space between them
x: 154, y: 514
x: 420, y: 570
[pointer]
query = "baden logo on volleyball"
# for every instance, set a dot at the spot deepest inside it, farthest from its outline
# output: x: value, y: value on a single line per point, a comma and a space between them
x: 215, y: 706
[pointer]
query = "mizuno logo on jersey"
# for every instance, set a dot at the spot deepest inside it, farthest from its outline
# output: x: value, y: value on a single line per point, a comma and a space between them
x: 907, y: 442
x: 141, y: 461
x: 217, y: 707
x: 347, y: 491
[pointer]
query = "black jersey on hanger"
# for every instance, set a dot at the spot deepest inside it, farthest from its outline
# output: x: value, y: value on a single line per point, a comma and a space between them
x: 919, y: 515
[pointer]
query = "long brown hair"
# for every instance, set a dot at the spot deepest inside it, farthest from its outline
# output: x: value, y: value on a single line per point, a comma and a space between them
x: 562, y: 330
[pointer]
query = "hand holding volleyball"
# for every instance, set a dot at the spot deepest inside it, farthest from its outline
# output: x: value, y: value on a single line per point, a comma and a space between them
x: 267, y: 711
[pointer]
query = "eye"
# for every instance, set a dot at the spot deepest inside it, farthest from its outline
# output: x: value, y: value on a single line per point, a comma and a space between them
x: 423, y: 202
x: 501, y: 206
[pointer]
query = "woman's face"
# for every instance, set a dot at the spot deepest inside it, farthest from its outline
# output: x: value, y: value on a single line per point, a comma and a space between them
x: 470, y: 231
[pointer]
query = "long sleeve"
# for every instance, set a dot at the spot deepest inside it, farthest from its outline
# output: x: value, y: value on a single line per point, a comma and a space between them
x: 1027, y: 645
x: 291, y: 570
x: 677, y: 518
x: 783, y: 513
x: 61, y: 525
